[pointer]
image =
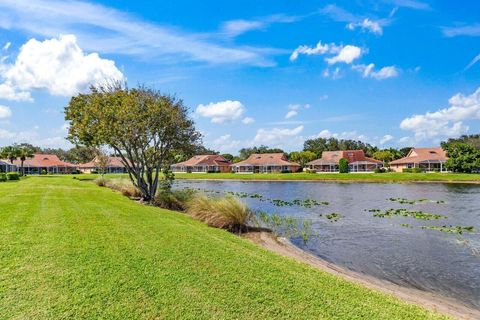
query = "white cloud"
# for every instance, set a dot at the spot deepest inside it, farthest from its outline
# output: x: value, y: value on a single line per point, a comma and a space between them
x: 222, y: 111
x: 6, y: 46
x: 347, y: 54
x: 278, y: 136
x: 290, y: 114
x: 5, y: 112
x: 59, y: 66
x: 107, y: 30
x: 386, y: 138
x: 248, y: 120
x: 369, y: 72
x: 467, y: 30
x: 306, y: 50
x: 367, y: 25
x: 352, y: 135
x: 447, y: 122
x: 8, y: 92
x: 225, y: 143
x: 412, y: 4
x: 474, y: 61
x: 335, y: 74
x: 297, y: 106
x: 233, y: 28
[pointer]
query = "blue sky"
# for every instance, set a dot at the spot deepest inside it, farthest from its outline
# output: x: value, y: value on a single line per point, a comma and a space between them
x: 392, y: 73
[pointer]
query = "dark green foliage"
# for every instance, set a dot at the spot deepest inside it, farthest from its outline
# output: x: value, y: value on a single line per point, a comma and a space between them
x: 244, y: 153
x: 333, y: 216
x: 451, y: 229
x: 463, y: 157
x: 228, y: 156
x: 319, y: 145
x: 3, y: 177
x: 472, y: 140
x: 343, y: 165
x: 406, y: 213
x: 173, y: 199
x: 13, y: 176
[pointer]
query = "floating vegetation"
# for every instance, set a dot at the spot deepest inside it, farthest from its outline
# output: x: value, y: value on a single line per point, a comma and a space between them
x: 450, y: 229
x: 373, y: 210
x: 307, y: 203
x: 285, y: 226
x: 406, y: 213
x: 406, y: 225
x: 408, y: 201
x: 333, y: 216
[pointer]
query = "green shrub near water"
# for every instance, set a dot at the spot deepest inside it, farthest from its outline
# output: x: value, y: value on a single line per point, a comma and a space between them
x: 343, y: 165
x: 3, y: 177
x: 13, y: 176
x: 225, y: 213
x: 174, y: 199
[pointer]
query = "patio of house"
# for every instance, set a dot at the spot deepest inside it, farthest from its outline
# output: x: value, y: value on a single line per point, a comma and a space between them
x: 7, y: 167
x: 265, y: 163
x: 427, y: 159
x: 202, y: 164
x: 357, y: 162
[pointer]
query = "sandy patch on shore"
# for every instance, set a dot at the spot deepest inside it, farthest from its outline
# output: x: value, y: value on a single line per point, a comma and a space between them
x: 424, y: 299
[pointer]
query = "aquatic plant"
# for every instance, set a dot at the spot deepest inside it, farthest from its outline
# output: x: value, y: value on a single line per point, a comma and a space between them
x: 450, y: 229
x: 406, y: 225
x: 406, y: 213
x: 408, y: 201
x: 285, y: 226
x: 333, y: 216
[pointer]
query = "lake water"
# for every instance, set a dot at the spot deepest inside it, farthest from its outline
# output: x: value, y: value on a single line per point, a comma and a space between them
x: 385, y: 248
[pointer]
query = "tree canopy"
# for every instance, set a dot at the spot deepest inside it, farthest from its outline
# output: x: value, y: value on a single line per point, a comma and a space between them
x: 318, y: 145
x: 244, y: 153
x: 144, y: 127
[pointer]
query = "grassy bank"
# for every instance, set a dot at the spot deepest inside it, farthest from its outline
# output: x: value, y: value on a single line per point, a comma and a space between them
x: 70, y: 249
x: 367, y: 177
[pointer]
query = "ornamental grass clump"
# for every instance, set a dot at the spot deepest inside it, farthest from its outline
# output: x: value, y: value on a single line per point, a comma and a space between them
x: 173, y: 199
x: 122, y: 185
x: 225, y: 213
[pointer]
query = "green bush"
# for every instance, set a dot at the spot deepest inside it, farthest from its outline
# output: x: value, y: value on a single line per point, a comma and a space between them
x: 43, y: 172
x: 174, y: 199
x: 343, y: 165
x: 3, y: 177
x: 407, y: 170
x: 418, y: 170
x: 226, y: 213
x: 311, y: 171
x: 13, y: 176
x: 380, y: 170
x: 286, y: 171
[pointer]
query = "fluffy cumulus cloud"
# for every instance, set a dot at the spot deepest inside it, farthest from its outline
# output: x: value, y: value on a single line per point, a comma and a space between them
x: 278, y: 136
x: 368, y: 71
x: 9, y: 92
x: 346, y: 55
x: 291, y: 114
x: 447, y: 122
x: 223, y: 111
x: 307, y: 50
x: 59, y: 66
x: 386, y: 138
x: 226, y: 143
x: 366, y: 25
x: 5, y: 112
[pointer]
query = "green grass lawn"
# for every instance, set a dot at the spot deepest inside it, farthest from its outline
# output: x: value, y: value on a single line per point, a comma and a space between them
x: 368, y: 177
x: 70, y: 249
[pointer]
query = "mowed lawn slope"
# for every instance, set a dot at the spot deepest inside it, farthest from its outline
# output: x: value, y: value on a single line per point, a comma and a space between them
x: 70, y: 249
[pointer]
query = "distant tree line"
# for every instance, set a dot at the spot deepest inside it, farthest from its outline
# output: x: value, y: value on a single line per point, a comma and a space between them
x: 463, y: 153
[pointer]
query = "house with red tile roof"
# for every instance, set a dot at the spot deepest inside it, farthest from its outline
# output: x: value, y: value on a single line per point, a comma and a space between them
x: 115, y: 165
x: 357, y: 161
x: 428, y: 159
x: 45, y: 163
x: 265, y: 163
x: 206, y: 163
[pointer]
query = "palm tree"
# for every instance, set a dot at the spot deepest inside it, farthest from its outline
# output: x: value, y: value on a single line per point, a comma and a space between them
x: 24, y: 153
x: 11, y: 153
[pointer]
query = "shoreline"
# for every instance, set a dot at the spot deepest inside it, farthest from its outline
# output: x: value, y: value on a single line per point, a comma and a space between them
x: 427, y: 300
x: 334, y: 180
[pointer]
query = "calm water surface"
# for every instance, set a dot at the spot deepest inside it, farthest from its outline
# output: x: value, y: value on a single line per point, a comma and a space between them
x: 429, y: 260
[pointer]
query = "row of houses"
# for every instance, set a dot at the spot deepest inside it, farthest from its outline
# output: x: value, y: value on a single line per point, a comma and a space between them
x: 51, y: 164
x: 427, y: 159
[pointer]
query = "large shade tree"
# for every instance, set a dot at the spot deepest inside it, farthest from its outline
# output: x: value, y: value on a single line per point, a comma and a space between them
x: 144, y: 127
